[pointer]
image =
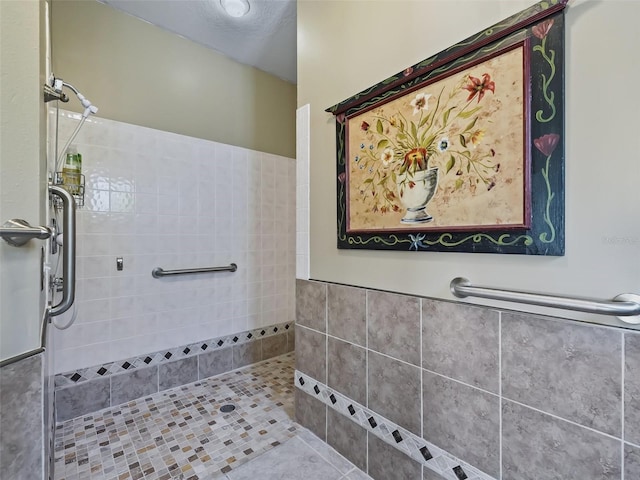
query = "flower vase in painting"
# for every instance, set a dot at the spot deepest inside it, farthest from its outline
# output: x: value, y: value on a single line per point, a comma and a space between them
x: 441, y: 148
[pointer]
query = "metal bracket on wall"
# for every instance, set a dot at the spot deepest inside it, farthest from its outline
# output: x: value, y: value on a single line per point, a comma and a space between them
x: 17, y: 232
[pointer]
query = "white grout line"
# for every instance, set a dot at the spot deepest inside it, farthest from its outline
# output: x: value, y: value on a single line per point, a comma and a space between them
x: 500, y: 387
x: 111, y: 391
x: 622, y: 362
x: 626, y: 442
x: 462, y: 383
x: 326, y: 357
x: 366, y: 353
x: 366, y: 366
x: 309, y: 328
x: 367, y: 459
x: 421, y: 375
x: 374, y: 351
x: 562, y: 419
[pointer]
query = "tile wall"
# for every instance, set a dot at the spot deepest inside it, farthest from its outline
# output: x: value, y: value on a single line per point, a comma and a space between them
x: 22, y: 426
x: 515, y: 396
x: 160, y: 199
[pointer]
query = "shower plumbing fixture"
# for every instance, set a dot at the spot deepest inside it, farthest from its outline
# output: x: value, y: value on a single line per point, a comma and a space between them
x: 57, y: 283
x: 57, y: 84
x: 50, y: 94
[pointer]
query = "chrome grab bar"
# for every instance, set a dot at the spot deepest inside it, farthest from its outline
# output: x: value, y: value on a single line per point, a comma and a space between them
x: 159, y: 272
x: 625, y: 306
x: 68, y: 269
x: 68, y: 251
x: 17, y: 232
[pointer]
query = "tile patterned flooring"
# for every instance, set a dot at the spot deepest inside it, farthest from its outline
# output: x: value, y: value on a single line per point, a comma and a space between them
x: 182, y: 434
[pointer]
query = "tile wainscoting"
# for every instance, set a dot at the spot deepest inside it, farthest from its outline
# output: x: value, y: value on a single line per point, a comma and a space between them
x: 486, y: 393
x: 423, y: 452
x: 91, y: 389
x: 27, y: 420
x: 22, y: 430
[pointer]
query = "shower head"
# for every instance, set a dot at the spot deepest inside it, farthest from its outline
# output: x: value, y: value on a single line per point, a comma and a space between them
x: 57, y: 84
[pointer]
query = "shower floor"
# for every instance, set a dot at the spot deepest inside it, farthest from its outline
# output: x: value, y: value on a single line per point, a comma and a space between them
x: 183, y: 434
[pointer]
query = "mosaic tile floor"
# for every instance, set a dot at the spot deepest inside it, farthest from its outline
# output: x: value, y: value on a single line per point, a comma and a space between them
x: 181, y: 433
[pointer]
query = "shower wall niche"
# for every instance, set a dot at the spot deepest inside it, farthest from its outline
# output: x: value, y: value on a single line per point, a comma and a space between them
x: 158, y: 199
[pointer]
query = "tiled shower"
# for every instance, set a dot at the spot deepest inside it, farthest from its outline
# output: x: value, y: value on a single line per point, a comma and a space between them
x: 157, y: 199
x: 402, y: 386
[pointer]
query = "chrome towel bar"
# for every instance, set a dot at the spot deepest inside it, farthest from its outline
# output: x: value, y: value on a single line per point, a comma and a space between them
x: 159, y: 272
x: 625, y: 306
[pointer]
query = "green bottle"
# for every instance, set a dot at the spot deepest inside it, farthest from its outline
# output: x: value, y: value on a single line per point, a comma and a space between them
x: 71, y: 170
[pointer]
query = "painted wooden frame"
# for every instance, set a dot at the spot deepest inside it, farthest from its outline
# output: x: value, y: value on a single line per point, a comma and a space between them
x: 463, y: 151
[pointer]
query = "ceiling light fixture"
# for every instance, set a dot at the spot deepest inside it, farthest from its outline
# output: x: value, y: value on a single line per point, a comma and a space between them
x: 235, y: 8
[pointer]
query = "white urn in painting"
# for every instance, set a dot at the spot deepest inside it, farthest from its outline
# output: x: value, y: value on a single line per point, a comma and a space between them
x: 417, y: 185
x: 416, y: 190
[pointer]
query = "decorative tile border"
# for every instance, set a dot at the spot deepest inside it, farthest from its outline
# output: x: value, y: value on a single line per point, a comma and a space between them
x: 427, y: 454
x: 150, y: 359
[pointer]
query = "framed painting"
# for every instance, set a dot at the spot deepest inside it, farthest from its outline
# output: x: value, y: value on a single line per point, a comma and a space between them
x: 463, y: 151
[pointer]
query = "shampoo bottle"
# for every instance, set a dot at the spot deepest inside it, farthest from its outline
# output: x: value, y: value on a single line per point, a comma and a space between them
x: 72, y: 170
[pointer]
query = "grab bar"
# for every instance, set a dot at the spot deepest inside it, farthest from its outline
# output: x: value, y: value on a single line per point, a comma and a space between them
x: 625, y: 306
x: 68, y: 251
x: 68, y: 269
x: 159, y: 272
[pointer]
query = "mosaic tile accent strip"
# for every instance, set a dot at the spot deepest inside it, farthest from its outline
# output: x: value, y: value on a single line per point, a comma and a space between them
x: 182, y: 433
x: 175, y: 353
x: 429, y: 455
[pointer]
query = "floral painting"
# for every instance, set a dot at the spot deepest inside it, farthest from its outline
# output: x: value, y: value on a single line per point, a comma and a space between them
x: 463, y: 151
x: 448, y: 155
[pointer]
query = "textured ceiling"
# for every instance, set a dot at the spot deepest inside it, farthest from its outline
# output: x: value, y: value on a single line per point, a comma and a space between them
x: 264, y: 38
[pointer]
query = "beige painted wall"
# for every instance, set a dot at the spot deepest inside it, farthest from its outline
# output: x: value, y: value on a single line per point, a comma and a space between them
x: 22, y: 169
x: 346, y: 46
x: 138, y: 73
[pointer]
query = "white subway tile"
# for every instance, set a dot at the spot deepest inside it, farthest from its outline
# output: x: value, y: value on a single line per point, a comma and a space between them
x: 93, y: 310
x: 162, y: 199
x: 146, y: 203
